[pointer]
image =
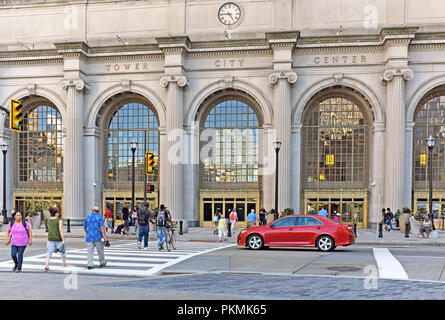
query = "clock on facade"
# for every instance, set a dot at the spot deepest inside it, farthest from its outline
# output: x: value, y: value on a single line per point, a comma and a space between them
x: 229, y: 14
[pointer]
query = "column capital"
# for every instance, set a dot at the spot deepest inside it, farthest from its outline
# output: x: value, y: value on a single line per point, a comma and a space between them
x: 181, y: 80
x: 78, y: 84
x: 404, y: 72
x: 290, y: 76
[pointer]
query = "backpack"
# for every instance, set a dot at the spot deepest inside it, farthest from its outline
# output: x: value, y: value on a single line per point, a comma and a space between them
x: 161, y: 220
x: 143, y: 217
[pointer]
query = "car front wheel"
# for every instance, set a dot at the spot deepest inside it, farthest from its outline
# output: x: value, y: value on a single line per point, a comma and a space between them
x: 255, y: 242
x: 325, y: 243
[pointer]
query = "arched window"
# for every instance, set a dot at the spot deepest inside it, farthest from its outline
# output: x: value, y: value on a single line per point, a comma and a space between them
x: 335, y: 133
x: 131, y: 120
x: 40, y: 148
x: 231, y: 126
x: 430, y: 120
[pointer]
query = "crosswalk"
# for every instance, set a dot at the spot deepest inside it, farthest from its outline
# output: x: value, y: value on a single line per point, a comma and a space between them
x: 122, y: 259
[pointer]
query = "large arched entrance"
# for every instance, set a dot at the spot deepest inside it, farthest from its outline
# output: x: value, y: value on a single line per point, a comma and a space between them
x: 429, y: 119
x: 38, y: 174
x: 128, y: 117
x: 335, y: 161
x: 230, y: 125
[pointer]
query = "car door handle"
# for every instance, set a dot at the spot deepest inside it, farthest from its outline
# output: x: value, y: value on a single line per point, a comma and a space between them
x: 291, y: 229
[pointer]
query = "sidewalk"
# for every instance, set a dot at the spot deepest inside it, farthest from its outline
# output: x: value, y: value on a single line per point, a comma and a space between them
x: 369, y: 237
x: 193, y: 234
x: 365, y: 237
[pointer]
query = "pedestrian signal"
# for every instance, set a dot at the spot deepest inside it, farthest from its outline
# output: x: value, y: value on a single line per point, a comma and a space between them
x: 15, y: 115
x: 150, y: 187
x: 150, y: 163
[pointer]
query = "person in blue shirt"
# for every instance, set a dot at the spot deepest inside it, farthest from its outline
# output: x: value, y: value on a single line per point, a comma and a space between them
x: 94, y: 227
x: 251, y: 218
x: 323, y: 212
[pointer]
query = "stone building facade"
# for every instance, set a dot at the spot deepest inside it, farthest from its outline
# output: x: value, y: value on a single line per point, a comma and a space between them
x: 351, y: 88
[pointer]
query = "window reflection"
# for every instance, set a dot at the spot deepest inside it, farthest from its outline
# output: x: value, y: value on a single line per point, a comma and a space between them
x: 234, y: 157
x: 336, y: 139
x: 40, y: 147
x: 429, y: 120
x: 132, y: 121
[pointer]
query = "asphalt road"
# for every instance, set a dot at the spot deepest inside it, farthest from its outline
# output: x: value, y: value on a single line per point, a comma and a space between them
x: 234, y: 272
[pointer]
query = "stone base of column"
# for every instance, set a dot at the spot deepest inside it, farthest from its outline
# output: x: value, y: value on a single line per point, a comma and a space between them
x: 73, y: 222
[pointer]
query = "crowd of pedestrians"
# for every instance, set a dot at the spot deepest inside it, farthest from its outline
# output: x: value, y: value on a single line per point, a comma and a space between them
x: 96, y: 226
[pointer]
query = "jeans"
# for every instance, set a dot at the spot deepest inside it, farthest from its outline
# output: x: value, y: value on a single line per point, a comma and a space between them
x: 143, y: 233
x: 100, y: 251
x: 17, y: 255
x: 390, y: 223
x: 162, y: 235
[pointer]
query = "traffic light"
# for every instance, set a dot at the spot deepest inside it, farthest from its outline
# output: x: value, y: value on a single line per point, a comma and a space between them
x: 15, y: 115
x: 150, y: 163
x: 150, y: 187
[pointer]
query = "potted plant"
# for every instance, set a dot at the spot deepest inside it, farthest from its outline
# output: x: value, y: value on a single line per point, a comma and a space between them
x: 403, y: 218
x: 34, y: 216
x: 416, y: 221
x: 287, y: 212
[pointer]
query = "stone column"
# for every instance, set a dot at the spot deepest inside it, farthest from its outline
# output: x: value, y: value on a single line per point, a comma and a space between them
x: 378, y: 173
x: 296, y: 169
x: 175, y: 130
x: 93, y: 173
x: 408, y: 175
x: 282, y: 123
x: 73, y: 166
x: 191, y: 176
x: 395, y: 136
x: 6, y: 137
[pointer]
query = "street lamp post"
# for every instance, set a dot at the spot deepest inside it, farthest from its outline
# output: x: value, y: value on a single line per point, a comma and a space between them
x: 4, y: 148
x: 430, y: 143
x: 277, y: 146
x: 133, y: 146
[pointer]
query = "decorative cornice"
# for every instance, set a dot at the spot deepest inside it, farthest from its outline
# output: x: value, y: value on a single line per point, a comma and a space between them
x: 290, y: 76
x: 404, y: 72
x: 181, y: 80
x: 78, y: 84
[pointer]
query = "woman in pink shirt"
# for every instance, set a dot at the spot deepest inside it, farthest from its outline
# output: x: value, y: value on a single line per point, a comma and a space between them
x: 21, y: 235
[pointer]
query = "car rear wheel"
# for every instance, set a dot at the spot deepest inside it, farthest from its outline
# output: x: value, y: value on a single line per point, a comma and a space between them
x: 325, y: 243
x: 255, y: 242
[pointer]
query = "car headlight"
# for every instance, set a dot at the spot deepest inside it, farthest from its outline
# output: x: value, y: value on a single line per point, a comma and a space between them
x: 243, y: 231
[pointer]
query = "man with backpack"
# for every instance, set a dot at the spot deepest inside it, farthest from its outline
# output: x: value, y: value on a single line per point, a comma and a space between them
x: 162, y: 220
x: 144, y: 218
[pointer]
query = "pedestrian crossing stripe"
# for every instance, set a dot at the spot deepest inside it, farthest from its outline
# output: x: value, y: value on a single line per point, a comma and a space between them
x: 122, y: 259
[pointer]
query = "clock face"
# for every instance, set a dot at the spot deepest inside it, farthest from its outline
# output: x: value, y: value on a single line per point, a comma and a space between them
x: 229, y: 13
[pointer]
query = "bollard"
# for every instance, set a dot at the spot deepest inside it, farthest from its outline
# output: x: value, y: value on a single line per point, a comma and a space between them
x: 229, y: 226
x: 407, y: 229
x: 380, y: 229
x: 46, y: 225
x: 180, y: 227
x: 68, y: 225
x: 355, y: 229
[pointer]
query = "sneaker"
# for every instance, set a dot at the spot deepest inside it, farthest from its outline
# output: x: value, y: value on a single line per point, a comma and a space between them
x: 102, y: 265
x: 162, y: 246
x: 18, y: 271
x: 90, y: 267
x: 146, y: 248
x: 139, y: 245
x: 14, y: 269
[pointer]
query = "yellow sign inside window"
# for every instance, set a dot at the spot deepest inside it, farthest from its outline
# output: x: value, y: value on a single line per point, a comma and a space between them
x: 330, y: 160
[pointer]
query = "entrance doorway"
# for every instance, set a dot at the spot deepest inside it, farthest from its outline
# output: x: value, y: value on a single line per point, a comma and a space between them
x: 421, y: 201
x: 350, y: 207
x: 212, y: 202
x: 115, y: 202
x: 38, y: 202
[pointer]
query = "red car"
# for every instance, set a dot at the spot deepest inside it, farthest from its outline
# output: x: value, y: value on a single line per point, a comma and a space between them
x: 298, y: 231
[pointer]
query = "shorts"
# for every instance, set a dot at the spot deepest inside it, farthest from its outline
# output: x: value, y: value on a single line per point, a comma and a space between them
x: 425, y: 229
x: 222, y: 232
x: 54, y: 246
